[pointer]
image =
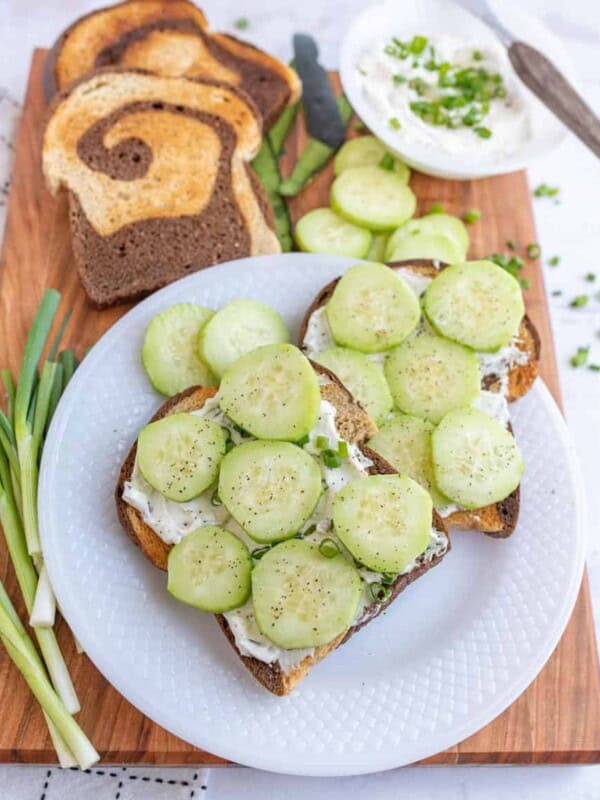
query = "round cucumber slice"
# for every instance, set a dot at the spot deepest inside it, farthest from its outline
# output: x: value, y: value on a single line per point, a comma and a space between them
x: 476, y: 460
x: 436, y: 246
x: 372, y: 309
x: 270, y: 488
x: 239, y: 327
x: 383, y: 520
x: 210, y: 569
x: 476, y: 303
x: 367, y: 151
x: 405, y: 442
x: 364, y: 379
x: 433, y: 225
x: 323, y: 231
x: 302, y: 598
x: 272, y: 392
x: 429, y: 376
x: 170, y: 356
x: 179, y: 455
x: 372, y: 197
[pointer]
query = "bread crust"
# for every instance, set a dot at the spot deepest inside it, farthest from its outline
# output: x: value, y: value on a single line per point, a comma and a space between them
x: 498, y: 520
x: 354, y: 425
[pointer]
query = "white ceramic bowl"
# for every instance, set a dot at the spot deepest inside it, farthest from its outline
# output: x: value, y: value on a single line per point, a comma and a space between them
x: 409, y: 17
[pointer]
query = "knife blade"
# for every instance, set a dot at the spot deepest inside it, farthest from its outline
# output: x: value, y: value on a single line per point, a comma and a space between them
x: 323, y: 119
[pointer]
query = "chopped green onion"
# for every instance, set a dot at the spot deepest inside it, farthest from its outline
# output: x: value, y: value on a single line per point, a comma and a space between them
x: 311, y: 529
x: 343, y: 448
x: 554, y: 261
x: 513, y: 265
x: 387, y: 162
x: 417, y: 45
x: 259, y: 552
x: 511, y: 244
x: 380, y: 593
x: 580, y: 301
x: 322, y: 442
x: 594, y: 367
x: 395, y: 123
x: 477, y: 55
x: 387, y: 578
x: 331, y: 459
x: 543, y: 190
x: 590, y: 277
x: 472, y: 216
x: 241, y: 24
x: 437, y: 208
x: 399, y: 79
x: 329, y: 548
x: 304, y: 440
x: 483, y: 132
x: 580, y: 357
x: 534, y: 251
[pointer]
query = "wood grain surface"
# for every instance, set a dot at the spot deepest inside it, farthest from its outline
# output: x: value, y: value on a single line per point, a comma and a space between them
x: 556, y: 720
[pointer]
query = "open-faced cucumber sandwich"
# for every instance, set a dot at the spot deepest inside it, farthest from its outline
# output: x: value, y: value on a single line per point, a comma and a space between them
x: 433, y: 353
x: 262, y: 500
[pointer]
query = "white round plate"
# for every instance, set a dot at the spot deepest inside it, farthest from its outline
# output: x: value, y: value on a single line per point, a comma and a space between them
x: 448, y: 656
x: 427, y: 17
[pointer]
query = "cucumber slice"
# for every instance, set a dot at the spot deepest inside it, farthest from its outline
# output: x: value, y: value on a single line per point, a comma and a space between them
x: 383, y: 520
x: 429, y: 376
x: 170, y: 356
x: 476, y: 460
x: 210, y: 569
x: 364, y: 379
x: 476, y: 303
x: 272, y: 392
x: 378, y: 248
x: 367, y: 151
x: 372, y: 197
x: 435, y: 246
x: 270, y: 488
x: 323, y: 231
x: 179, y: 455
x: 405, y: 442
x: 372, y: 309
x: 433, y: 225
x: 239, y: 327
x: 302, y: 598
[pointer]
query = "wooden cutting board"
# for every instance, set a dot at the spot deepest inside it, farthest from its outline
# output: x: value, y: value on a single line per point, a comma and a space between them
x: 556, y: 720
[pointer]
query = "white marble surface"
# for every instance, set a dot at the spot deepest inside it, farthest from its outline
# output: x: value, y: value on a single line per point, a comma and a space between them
x: 570, y: 229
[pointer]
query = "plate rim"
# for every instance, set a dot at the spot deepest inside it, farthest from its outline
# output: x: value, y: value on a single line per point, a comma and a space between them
x: 146, y: 704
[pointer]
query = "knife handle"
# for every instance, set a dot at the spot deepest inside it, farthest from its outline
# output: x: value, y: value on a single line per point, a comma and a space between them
x: 541, y: 76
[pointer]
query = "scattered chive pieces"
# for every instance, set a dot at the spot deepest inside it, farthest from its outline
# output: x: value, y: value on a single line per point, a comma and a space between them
x: 437, y: 208
x: 511, y: 244
x: 513, y: 265
x: 259, y: 552
x: 311, y: 529
x: 417, y: 45
x: 554, y: 261
x: 332, y: 459
x: 477, y: 55
x: 241, y: 24
x: 483, y: 132
x: 580, y: 357
x: 301, y: 442
x: 387, y: 162
x: 472, y: 216
x: 556, y: 293
x: 580, y: 301
x: 594, y: 367
x: 590, y: 277
x: 343, y: 449
x: 399, y: 79
x: 534, y: 251
x: 322, y: 442
x: 329, y: 548
x: 543, y: 190
x: 395, y: 123
x: 387, y: 578
x: 379, y: 592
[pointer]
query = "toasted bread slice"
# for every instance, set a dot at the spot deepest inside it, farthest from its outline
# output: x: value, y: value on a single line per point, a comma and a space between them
x: 158, y: 179
x: 355, y: 426
x: 171, y: 38
x: 499, y: 519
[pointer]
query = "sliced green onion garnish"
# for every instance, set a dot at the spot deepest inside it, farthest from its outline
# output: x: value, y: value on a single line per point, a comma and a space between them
x: 307, y: 532
x: 477, y: 55
x: 395, y: 123
x: 543, y: 190
x: 387, y: 162
x: 594, y: 367
x: 387, y: 578
x: 322, y: 442
x: 580, y: 357
x: 590, y: 277
x: 331, y: 459
x: 554, y: 261
x: 511, y: 244
x: 417, y: 45
x: 472, y: 216
x: 483, y: 132
x: 259, y: 552
x: 301, y: 442
x: 437, y: 208
x: 399, y: 79
x: 241, y: 24
x: 580, y: 301
x: 534, y: 251
x: 329, y: 548
x: 380, y: 593
x: 343, y: 449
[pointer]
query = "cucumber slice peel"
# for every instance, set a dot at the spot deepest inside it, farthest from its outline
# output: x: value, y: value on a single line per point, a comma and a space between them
x: 323, y: 231
x: 429, y: 376
x: 169, y: 354
x: 272, y: 392
x: 476, y: 303
x: 210, y: 569
x: 302, y: 598
x: 373, y: 198
x: 239, y: 327
x: 384, y: 521
x: 372, y: 309
x: 180, y: 455
x: 270, y: 488
x: 476, y: 460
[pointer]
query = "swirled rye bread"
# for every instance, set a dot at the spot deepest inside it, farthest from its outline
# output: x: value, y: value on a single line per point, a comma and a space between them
x: 169, y: 37
x: 158, y: 179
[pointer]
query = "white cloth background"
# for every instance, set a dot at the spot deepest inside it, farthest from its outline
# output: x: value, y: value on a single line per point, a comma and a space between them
x: 570, y: 229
